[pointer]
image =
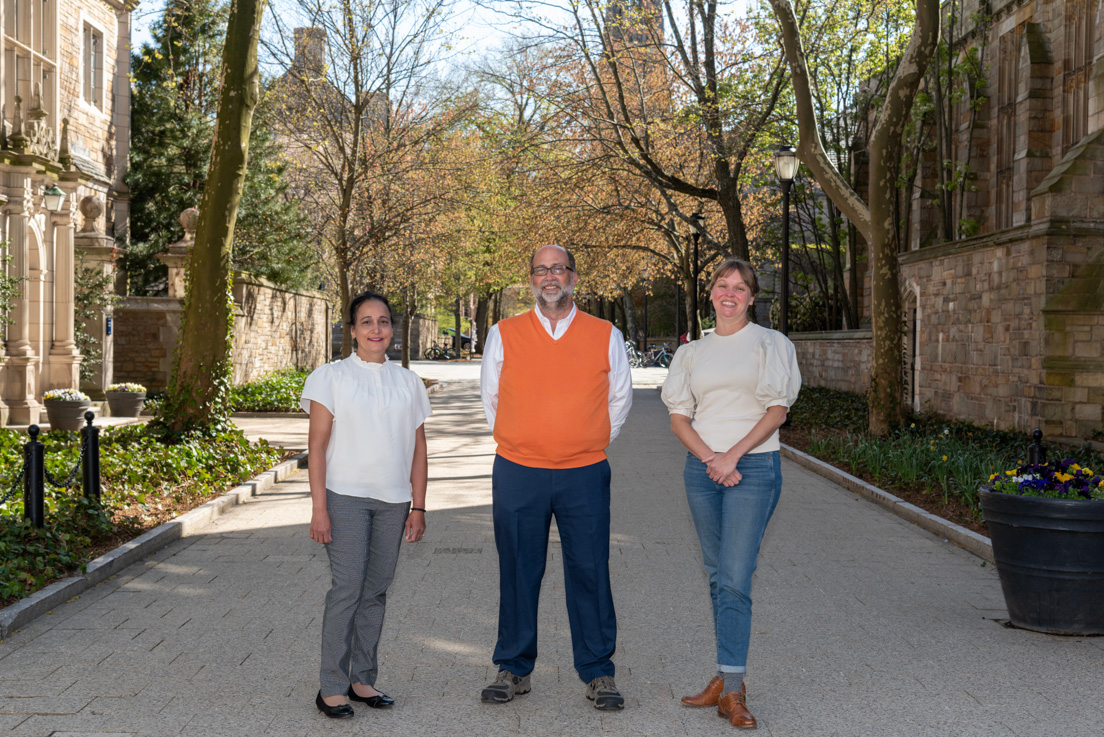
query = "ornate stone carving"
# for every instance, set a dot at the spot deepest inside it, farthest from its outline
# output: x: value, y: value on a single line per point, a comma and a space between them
x: 188, y: 220
x: 40, y: 136
x: 91, y: 207
x: 64, y: 156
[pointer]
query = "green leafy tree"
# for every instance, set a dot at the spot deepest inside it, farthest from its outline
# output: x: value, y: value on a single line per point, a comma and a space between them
x: 175, y: 99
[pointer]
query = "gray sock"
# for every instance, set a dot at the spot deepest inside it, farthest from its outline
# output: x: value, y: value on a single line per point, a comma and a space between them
x: 733, y: 681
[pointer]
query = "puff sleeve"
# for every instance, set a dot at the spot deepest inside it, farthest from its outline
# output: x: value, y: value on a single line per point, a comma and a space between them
x: 779, y: 377
x: 676, y: 393
x: 318, y: 388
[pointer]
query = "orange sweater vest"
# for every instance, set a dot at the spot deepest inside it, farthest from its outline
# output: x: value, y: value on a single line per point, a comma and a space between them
x: 553, y: 395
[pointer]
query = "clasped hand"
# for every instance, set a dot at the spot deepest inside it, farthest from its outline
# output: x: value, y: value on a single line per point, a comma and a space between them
x: 721, y: 468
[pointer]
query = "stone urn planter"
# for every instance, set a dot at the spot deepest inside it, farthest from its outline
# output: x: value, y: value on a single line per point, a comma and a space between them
x: 1049, y: 550
x: 125, y: 400
x: 65, y: 408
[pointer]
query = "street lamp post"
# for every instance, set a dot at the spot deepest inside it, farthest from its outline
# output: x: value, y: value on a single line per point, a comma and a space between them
x: 785, y: 166
x: 694, y: 328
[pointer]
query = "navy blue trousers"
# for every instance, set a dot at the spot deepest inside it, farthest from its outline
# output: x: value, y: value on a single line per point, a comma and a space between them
x: 525, y: 500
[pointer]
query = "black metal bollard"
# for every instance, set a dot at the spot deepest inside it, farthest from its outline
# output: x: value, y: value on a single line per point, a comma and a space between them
x: 1036, y: 452
x: 34, y: 479
x: 90, y: 465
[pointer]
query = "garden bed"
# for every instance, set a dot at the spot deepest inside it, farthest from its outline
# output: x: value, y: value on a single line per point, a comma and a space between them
x: 144, y: 484
x: 935, y: 463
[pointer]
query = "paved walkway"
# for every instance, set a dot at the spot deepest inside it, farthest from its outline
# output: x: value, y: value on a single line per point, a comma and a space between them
x: 864, y: 624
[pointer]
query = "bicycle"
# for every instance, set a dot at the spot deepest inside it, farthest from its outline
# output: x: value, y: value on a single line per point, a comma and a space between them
x: 437, y: 353
x: 658, y: 355
x: 636, y: 359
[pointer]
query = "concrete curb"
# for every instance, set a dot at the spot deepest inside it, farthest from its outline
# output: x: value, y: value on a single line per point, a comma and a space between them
x: 22, y: 612
x: 968, y: 540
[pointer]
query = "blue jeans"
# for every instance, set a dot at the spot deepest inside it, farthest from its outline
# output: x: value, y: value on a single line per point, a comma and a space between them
x: 730, y: 523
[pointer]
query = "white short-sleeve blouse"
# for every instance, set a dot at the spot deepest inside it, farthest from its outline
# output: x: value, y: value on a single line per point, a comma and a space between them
x: 725, y: 383
x: 377, y: 409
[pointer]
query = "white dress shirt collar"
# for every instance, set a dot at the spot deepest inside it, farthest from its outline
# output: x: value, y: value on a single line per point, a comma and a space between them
x: 561, y: 325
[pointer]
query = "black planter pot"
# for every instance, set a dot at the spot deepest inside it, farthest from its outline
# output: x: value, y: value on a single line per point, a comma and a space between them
x: 1050, y: 558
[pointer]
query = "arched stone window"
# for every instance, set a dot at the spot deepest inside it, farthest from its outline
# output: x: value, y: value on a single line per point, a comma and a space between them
x: 1034, y: 119
x: 911, y: 346
x: 1008, y: 58
x: 1077, y: 67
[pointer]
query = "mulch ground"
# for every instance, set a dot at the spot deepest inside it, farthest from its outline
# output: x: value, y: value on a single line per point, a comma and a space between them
x: 930, y: 500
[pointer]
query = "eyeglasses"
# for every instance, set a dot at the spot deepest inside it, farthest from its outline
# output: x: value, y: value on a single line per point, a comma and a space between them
x: 557, y: 270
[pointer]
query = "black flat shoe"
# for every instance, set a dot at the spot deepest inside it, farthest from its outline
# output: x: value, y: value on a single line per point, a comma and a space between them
x: 342, y: 711
x: 379, y: 701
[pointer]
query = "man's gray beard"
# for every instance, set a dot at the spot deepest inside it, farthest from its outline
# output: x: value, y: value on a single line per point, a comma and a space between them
x: 559, y: 305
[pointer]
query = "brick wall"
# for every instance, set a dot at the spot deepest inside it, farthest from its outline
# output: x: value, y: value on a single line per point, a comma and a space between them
x: 273, y: 329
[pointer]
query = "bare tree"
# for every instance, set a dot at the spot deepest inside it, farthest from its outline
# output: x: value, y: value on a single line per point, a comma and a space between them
x: 356, y: 110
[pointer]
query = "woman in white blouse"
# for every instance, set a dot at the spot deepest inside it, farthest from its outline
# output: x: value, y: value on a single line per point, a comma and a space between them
x: 367, y: 464
x: 728, y: 394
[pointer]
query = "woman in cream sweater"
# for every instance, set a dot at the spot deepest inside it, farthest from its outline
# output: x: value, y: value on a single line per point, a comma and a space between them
x: 728, y: 394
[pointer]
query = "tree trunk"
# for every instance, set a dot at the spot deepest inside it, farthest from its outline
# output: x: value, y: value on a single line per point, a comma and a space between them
x: 198, y: 394
x: 346, y: 298
x: 456, y: 339
x: 482, y: 322
x: 408, y: 308
x: 630, y: 316
x: 875, y: 222
x: 886, y: 408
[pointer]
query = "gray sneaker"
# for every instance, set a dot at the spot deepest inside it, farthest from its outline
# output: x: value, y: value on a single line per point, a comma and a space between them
x: 505, y: 687
x: 603, y: 692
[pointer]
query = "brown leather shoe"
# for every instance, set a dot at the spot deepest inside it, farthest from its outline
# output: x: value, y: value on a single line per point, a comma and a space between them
x: 709, y: 697
x: 733, y: 707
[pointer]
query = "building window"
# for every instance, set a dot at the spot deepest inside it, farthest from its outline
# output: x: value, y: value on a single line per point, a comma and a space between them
x: 92, y: 66
x: 1007, y: 85
x: 30, y: 54
x: 1077, y: 68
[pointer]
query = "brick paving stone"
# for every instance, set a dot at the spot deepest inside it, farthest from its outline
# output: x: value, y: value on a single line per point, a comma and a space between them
x: 864, y: 624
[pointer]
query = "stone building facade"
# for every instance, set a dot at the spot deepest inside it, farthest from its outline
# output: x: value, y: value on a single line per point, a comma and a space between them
x: 64, y: 122
x: 1006, y: 327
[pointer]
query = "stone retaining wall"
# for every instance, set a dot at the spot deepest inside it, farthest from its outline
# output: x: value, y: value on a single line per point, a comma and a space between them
x: 273, y: 329
x: 837, y: 360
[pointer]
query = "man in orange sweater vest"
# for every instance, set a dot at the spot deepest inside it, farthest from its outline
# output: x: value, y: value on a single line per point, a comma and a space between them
x: 556, y: 389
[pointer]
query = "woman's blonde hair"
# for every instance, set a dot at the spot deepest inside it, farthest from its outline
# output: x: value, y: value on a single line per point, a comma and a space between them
x: 747, y: 273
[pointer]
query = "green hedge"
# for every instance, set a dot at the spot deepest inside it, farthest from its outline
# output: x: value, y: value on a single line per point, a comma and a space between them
x: 277, y: 392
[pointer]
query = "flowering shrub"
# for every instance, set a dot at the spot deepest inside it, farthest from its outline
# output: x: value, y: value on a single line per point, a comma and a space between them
x: 127, y: 387
x: 1063, y: 479
x: 66, y: 395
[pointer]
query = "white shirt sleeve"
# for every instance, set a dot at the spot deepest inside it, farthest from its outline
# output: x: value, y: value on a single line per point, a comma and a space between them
x: 620, y: 383
x: 489, y: 371
x: 318, y: 388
